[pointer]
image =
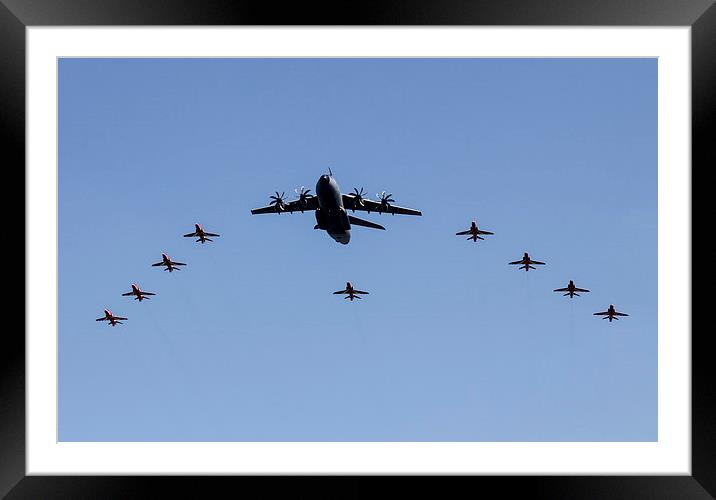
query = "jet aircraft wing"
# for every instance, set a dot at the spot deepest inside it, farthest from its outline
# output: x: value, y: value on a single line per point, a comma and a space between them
x: 581, y: 290
x: 311, y: 203
x: 463, y: 233
x: 375, y: 206
x: 620, y: 314
x: 605, y: 313
x: 563, y: 289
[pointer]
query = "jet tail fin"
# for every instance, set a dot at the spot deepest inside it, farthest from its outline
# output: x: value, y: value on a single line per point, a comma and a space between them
x: 360, y: 222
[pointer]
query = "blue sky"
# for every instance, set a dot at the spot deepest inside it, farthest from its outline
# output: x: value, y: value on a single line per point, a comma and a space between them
x: 558, y: 157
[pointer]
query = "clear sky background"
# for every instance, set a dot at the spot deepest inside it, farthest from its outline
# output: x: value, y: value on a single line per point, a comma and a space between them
x: 247, y: 342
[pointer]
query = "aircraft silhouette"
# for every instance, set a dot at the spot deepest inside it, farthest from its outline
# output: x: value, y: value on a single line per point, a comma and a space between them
x: 200, y: 233
x: 351, y: 293
x: 139, y: 294
x: 113, y: 320
x: 610, y: 313
x: 473, y: 232
x: 571, y: 290
x: 170, y: 265
x: 527, y: 262
x: 330, y: 207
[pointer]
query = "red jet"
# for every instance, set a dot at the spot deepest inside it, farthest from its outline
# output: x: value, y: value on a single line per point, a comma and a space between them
x: 170, y: 265
x: 113, y: 320
x: 571, y: 290
x: 527, y: 262
x: 473, y: 232
x: 610, y: 313
x: 140, y: 295
x: 200, y: 233
x: 351, y: 292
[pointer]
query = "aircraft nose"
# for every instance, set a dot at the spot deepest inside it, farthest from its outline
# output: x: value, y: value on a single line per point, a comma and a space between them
x: 324, y: 179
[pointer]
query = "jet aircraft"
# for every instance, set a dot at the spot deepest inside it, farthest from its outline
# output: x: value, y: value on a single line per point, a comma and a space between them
x: 200, y: 233
x: 351, y: 293
x: 527, y: 262
x: 330, y: 207
x: 139, y: 294
x: 571, y: 290
x: 473, y: 232
x: 610, y: 313
x: 170, y: 265
x: 113, y: 320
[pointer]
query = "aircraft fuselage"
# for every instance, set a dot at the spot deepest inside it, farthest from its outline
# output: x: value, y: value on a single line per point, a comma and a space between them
x: 331, y: 216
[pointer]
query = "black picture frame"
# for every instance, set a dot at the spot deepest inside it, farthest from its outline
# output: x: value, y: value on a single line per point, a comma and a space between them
x: 16, y: 15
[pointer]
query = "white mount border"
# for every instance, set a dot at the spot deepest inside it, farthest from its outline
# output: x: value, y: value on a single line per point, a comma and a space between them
x: 670, y: 455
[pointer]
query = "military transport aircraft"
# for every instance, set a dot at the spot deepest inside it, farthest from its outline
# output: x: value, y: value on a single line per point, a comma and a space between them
x: 351, y: 292
x: 113, y: 320
x: 473, y: 232
x: 330, y: 207
x: 527, y: 262
x: 610, y: 313
x: 170, y: 265
x: 200, y: 233
x: 571, y: 290
x: 139, y: 294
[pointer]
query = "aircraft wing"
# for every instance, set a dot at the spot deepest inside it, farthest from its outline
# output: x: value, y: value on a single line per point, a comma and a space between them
x: 100, y: 319
x: 340, y: 291
x: 147, y: 293
x: 211, y: 234
x: 158, y: 264
x: 119, y: 317
x: 480, y: 231
x: 462, y: 233
x: 375, y: 206
x: 620, y: 314
x: 127, y: 294
x: 290, y: 207
x: 516, y: 262
x: 178, y: 264
x: 561, y: 289
x: 605, y: 313
x: 536, y: 262
x: 358, y: 291
x: 581, y: 290
x: 189, y: 235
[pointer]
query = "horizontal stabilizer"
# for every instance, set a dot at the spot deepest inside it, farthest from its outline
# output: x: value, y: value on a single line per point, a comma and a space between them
x: 360, y: 222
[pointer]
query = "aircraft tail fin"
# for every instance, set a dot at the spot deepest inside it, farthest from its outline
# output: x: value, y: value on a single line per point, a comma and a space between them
x: 360, y: 222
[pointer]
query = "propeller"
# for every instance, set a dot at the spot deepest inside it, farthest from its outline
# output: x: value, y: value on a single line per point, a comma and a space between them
x: 358, y: 198
x: 303, y: 195
x: 385, y: 200
x: 278, y: 201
